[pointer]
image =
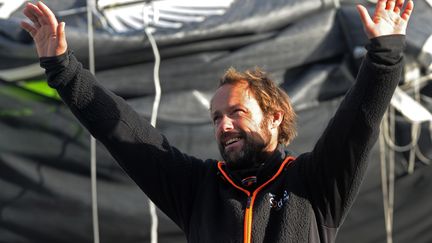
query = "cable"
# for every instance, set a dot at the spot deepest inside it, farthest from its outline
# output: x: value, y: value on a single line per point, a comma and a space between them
x: 158, y: 90
x: 387, y: 182
x: 384, y: 186
x: 95, y: 217
x: 388, y: 148
x: 390, y: 141
x: 391, y: 173
x: 422, y: 157
x: 412, y: 158
x: 158, y: 93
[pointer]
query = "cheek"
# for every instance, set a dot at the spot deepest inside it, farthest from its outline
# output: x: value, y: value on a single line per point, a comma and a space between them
x: 265, y: 125
x: 216, y: 133
x: 251, y: 125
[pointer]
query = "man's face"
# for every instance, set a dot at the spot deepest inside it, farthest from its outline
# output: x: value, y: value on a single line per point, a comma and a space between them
x: 242, y: 131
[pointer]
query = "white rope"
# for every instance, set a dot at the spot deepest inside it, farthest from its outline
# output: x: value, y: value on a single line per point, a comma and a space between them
x: 158, y: 93
x: 391, y: 174
x: 387, y: 181
x: 95, y: 217
x: 388, y: 147
x: 416, y: 127
x: 415, y: 132
x: 390, y: 141
x: 420, y: 155
x: 384, y: 186
x: 412, y: 146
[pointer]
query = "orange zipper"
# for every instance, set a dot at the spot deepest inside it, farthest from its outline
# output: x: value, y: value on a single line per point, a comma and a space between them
x: 247, y: 228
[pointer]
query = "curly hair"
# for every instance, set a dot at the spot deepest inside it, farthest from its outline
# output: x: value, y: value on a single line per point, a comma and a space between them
x: 270, y: 98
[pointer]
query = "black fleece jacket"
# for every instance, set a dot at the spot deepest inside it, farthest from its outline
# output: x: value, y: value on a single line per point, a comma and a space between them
x: 303, y: 199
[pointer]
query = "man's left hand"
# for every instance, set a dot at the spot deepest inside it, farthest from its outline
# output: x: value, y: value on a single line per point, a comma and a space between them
x: 388, y: 18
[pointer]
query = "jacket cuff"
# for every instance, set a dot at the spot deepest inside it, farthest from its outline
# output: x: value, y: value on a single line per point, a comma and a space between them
x: 55, y: 68
x: 387, y: 50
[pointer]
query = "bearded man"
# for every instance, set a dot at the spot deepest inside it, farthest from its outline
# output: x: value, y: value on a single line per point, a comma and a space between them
x: 259, y: 193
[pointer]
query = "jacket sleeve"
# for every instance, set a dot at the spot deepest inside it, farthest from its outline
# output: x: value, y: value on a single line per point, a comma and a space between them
x: 334, y: 169
x: 169, y: 177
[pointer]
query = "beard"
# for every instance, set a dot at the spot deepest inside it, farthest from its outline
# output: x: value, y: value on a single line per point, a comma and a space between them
x: 252, y: 151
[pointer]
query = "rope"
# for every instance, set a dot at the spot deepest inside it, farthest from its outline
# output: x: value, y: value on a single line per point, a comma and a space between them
x: 415, y: 86
x: 416, y: 126
x: 388, y: 147
x: 389, y: 140
x: 158, y: 93
x: 387, y: 190
x: 420, y: 155
x: 391, y: 175
x: 95, y: 218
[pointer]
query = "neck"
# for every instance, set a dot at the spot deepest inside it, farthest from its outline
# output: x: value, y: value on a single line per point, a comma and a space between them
x: 261, y: 171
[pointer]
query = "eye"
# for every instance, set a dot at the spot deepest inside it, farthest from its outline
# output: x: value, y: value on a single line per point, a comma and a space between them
x: 238, y: 111
x: 216, y: 119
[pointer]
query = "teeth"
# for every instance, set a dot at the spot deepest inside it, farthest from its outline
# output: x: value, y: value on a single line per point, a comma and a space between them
x: 232, y: 140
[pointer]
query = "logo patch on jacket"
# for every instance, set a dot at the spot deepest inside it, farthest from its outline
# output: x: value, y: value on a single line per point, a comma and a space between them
x: 277, y: 202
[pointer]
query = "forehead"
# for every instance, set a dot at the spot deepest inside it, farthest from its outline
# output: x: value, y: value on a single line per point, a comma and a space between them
x: 229, y: 95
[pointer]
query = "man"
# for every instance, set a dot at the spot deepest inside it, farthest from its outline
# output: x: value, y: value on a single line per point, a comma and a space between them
x: 260, y: 193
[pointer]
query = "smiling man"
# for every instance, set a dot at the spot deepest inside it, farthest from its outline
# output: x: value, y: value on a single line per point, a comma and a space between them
x: 259, y: 193
x: 249, y: 123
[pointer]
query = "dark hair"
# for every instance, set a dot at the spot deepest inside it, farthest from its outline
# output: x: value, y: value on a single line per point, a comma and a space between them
x: 270, y: 98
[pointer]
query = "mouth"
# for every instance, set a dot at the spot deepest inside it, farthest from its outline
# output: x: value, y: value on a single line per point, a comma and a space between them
x: 232, y: 142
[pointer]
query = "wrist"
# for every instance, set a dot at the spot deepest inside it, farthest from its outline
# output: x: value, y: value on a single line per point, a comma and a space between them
x: 386, y: 49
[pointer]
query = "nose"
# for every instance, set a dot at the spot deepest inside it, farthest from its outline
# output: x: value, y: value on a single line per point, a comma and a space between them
x: 225, y: 124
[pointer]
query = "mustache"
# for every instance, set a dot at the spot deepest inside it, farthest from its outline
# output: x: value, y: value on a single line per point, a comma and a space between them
x: 231, y: 134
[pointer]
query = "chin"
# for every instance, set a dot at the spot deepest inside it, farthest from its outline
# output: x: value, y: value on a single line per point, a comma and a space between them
x: 233, y: 157
x: 237, y: 160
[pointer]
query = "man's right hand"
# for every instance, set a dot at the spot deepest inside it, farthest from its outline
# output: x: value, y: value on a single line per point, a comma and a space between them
x: 47, y: 33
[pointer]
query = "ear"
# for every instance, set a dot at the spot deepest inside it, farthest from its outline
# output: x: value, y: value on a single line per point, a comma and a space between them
x: 276, y: 119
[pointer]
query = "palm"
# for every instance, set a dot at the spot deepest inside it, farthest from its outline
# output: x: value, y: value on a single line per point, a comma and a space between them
x: 388, y: 22
x: 387, y: 18
x: 46, y: 41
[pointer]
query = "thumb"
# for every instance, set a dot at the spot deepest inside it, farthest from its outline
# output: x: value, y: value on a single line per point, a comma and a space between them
x: 61, y: 35
x: 365, y: 18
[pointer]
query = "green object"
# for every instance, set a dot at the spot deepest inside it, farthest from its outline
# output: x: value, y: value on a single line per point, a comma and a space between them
x: 16, y: 113
x: 40, y: 87
x: 18, y: 99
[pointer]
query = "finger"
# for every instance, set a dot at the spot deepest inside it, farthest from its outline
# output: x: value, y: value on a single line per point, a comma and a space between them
x: 48, y: 15
x: 390, y: 5
x: 364, y: 16
x: 380, y: 6
x: 28, y: 27
x: 33, y: 13
x: 62, y: 45
x: 408, y: 10
x: 33, y: 9
x: 398, y: 6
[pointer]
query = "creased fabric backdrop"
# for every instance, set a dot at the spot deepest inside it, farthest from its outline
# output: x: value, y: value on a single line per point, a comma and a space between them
x: 312, y: 48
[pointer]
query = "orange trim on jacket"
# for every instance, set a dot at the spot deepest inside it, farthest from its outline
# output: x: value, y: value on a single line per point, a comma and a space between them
x: 247, y: 228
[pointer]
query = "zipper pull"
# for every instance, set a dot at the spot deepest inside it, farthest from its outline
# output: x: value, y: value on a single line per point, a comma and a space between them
x: 248, y: 202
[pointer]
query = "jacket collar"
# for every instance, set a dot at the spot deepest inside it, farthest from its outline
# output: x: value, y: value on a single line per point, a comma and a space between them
x: 259, y: 173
